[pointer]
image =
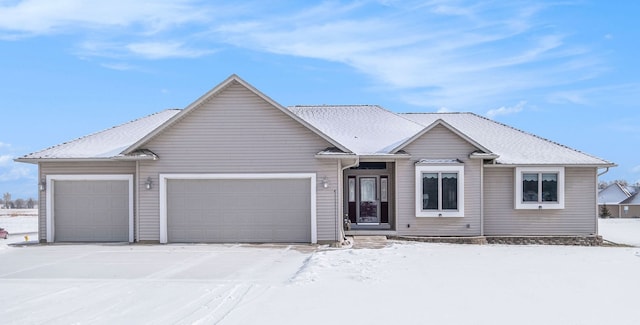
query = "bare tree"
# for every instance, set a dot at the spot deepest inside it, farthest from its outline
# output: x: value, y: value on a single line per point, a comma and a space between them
x: 20, y: 204
x: 7, y: 200
x: 621, y: 182
x: 31, y: 203
x: 602, y: 185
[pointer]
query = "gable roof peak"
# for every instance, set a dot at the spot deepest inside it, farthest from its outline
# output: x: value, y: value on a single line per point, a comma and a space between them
x: 233, y: 78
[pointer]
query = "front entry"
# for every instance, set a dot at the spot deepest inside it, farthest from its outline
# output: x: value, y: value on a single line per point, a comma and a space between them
x: 367, y: 196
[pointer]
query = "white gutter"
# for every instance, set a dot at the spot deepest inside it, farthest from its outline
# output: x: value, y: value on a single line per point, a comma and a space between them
x: 604, y: 172
x: 598, y: 208
x: 137, y: 198
x: 481, y: 197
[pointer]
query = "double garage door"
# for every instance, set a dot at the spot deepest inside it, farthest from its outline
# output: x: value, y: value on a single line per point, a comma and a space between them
x: 238, y: 210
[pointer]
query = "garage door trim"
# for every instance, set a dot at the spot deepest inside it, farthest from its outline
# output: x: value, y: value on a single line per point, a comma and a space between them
x: 50, y: 195
x: 165, y: 177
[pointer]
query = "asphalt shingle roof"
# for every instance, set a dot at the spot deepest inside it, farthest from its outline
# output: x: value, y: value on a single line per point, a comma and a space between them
x: 108, y: 143
x: 363, y: 129
x: 512, y: 145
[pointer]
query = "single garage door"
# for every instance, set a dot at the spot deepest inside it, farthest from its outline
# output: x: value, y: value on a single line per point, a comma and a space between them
x: 91, y: 211
x: 238, y: 210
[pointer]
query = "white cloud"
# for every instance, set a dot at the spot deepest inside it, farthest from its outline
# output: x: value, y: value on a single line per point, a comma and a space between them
x: 147, y: 50
x: 636, y: 169
x: 15, y: 172
x: 118, y: 66
x: 5, y: 160
x: 35, y: 17
x: 4, y: 145
x: 462, y: 56
x: 616, y: 94
x: 111, y: 28
x: 443, y: 110
x: 506, y: 110
x: 9, y: 170
x: 163, y: 50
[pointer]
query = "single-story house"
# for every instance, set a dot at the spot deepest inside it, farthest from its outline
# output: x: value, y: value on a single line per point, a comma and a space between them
x: 621, y: 201
x: 236, y: 166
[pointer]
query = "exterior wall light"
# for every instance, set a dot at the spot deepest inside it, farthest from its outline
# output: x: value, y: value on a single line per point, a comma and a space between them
x: 43, y: 185
x: 325, y: 182
x: 148, y: 184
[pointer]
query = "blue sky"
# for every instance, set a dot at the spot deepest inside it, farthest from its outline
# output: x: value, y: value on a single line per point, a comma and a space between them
x: 564, y: 70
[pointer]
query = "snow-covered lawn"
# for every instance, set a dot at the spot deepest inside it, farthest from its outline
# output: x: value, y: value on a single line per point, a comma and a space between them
x: 621, y: 231
x: 410, y: 283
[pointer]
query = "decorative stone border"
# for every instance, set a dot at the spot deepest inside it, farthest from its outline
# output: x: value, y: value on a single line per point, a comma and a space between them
x: 509, y: 240
x: 479, y: 240
x: 546, y: 240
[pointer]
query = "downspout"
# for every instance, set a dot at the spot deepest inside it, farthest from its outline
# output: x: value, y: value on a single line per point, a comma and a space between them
x: 481, y: 197
x: 137, y: 196
x: 338, y: 196
x: 604, y: 172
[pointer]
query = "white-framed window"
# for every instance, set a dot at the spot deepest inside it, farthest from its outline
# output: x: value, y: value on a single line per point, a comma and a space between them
x: 440, y: 191
x: 539, y: 188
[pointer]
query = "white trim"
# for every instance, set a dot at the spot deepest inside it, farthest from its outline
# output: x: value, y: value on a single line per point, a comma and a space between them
x: 165, y: 177
x: 520, y: 205
x: 84, y: 177
x: 459, y: 168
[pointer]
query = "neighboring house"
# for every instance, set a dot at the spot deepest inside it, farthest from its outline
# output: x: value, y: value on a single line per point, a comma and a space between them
x: 235, y: 166
x: 621, y: 201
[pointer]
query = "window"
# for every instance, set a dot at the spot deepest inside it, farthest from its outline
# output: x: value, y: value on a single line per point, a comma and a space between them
x: 440, y: 191
x: 539, y: 188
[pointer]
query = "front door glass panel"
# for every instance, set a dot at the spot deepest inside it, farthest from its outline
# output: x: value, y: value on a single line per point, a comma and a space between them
x: 369, y: 204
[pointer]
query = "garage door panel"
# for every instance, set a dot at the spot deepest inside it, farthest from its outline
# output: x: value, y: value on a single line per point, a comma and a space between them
x: 239, y: 210
x: 95, y: 211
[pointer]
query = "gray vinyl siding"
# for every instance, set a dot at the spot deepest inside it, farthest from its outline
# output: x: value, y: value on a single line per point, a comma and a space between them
x: 577, y: 218
x: 438, y: 143
x: 75, y: 168
x: 237, y: 132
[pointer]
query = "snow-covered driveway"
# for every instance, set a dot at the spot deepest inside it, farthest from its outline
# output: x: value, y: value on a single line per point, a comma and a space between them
x: 123, y: 284
x: 403, y: 283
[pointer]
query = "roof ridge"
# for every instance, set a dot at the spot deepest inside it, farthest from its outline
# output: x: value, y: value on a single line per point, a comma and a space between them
x: 433, y: 113
x: 339, y: 105
x: 101, y: 131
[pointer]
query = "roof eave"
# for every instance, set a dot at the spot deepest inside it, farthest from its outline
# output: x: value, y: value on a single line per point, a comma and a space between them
x: 380, y: 157
x: 40, y: 160
x: 482, y: 155
x: 603, y: 165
